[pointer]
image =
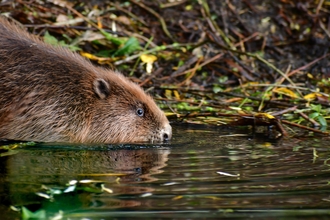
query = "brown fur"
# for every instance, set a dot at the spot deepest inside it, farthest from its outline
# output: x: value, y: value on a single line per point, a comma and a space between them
x: 50, y: 94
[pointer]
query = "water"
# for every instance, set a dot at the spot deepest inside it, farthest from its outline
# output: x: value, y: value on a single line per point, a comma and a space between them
x: 203, y: 173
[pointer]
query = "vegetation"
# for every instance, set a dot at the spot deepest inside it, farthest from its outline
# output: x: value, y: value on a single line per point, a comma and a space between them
x: 251, y: 62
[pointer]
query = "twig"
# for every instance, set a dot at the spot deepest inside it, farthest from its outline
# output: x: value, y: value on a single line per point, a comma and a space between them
x: 152, y: 50
x: 305, y: 127
x: 273, y: 67
x: 69, y: 5
x: 119, y: 8
x: 284, y: 111
x: 203, y: 64
x: 192, y: 73
x: 260, y: 59
x: 308, y: 64
x: 186, y: 65
x: 319, y: 6
x: 315, y: 124
x: 161, y: 20
x: 216, y: 29
x: 324, y: 28
x: 171, y: 4
x: 153, y: 75
x: 72, y: 27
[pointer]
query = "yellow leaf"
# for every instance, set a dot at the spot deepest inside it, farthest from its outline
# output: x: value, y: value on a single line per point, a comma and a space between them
x: 285, y: 91
x: 311, y: 96
x: 177, y: 198
x: 168, y: 93
x: 99, y: 23
x: 176, y: 94
x: 101, y: 60
x: 88, y: 55
x: 148, y: 58
x: 267, y: 145
x: 264, y: 115
x: 249, y: 84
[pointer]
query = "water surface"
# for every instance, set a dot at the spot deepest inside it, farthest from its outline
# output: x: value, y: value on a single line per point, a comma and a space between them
x: 203, y: 173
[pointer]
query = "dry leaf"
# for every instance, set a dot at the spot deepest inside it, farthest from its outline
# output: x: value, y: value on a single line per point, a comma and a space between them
x: 285, y: 91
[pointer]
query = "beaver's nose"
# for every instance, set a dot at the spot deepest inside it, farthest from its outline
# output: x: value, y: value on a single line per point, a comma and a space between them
x: 167, y: 133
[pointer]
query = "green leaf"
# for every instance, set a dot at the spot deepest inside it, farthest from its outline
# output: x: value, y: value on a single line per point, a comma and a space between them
x: 91, y: 189
x: 115, y: 40
x: 314, y: 115
x: 316, y: 108
x: 27, y: 214
x: 131, y: 45
x: 322, y: 121
x: 217, y: 89
x: 49, y: 39
x: 104, y: 53
x: 223, y: 79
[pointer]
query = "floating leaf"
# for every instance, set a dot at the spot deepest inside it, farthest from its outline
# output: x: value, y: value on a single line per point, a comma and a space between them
x: 228, y: 174
x: 177, y: 198
x: 105, y: 189
x: 27, y: 214
x: 70, y: 189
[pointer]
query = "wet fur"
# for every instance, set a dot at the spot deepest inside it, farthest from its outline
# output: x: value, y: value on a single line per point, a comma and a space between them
x: 48, y: 94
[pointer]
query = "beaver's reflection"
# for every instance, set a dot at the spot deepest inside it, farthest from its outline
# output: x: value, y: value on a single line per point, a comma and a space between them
x: 27, y: 171
x: 61, y: 166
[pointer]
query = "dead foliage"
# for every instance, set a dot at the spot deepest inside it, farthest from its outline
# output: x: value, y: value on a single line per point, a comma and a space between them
x: 231, y: 62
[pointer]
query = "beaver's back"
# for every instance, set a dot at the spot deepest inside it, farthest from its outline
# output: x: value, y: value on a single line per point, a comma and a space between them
x: 28, y: 64
x: 51, y: 94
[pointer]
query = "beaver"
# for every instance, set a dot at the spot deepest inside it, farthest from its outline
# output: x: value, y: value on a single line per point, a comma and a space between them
x: 50, y: 94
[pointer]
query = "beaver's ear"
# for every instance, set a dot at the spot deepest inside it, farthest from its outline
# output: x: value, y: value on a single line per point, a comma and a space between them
x: 101, y: 88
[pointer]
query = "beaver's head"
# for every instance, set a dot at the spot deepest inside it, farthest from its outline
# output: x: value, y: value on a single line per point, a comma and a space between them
x: 123, y: 112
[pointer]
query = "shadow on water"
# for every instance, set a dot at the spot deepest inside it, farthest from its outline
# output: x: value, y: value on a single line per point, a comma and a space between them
x: 202, y: 173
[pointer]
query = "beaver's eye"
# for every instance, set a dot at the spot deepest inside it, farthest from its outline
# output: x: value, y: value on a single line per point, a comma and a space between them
x: 140, y: 112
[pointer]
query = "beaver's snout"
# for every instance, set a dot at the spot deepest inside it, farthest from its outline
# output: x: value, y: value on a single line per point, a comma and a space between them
x: 166, y: 133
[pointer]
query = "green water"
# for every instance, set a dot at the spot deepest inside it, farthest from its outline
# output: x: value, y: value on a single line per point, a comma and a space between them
x: 202, y: 173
